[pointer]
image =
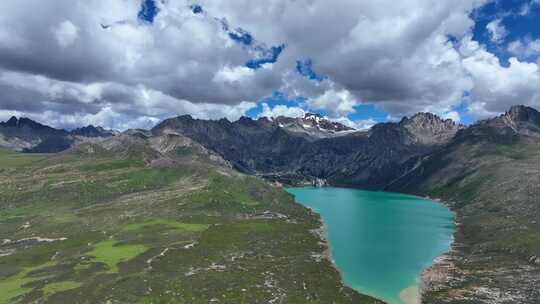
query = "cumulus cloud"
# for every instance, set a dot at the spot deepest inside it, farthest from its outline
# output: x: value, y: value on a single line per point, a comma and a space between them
x: 107, y: 62
x: 497, y: 31
x: 453, y: 115
x: 525, y: 48
x: 408, y: 65
x: 496, y: 87
x: 281, y: 110
x: 337, y: 103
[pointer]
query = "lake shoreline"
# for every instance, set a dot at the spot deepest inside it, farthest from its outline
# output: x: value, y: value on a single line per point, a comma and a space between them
x: 439, y: 275
x: 410, y: 295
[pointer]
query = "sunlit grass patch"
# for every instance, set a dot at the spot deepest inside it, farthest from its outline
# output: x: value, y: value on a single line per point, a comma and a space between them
x: 19, y: 212
x: 14, y: 286
x: 55, y: 287
x: 110, y: 253
x: 107, y: 165
x: 167, y: 223
x: 228, y: 193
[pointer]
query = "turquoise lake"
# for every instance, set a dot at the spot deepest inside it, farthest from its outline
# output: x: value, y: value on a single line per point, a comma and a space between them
x: 381, y: 241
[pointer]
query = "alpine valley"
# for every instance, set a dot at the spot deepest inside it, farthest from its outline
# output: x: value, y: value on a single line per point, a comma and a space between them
x: 194, y: 211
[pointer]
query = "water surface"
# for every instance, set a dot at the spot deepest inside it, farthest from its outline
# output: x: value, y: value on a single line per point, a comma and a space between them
x: 381, y: 241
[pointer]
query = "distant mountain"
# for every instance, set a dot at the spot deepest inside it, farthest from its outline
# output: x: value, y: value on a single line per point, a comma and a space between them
x: 91, y: 131
x: 27, y: 135
x: 297, y: 150
x: 312, y: 125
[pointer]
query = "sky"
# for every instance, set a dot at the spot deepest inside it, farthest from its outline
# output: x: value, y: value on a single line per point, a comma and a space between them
x: 132, y: 63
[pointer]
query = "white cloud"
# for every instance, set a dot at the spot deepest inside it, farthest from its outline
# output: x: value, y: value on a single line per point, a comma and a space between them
x: 453, y: 115
x: 281, y: 110
x: 62, y: 60
x: 497, y: 87
x: 336, y: 103
x: 66, y: 33
x: 525, y: 48
x: 363, y: 124
x: 497, y: 31
x: 228, y: 74
x: 109, y: 104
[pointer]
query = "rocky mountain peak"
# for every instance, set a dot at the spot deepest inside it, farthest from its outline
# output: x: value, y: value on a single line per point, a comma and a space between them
x: 312, y: 124
x: 313, y: 116
x: 521, y: 114
x: 22, y: 122
x: 247, y: 121
x: 321, y: 122
x: 29, y: 124
x: 426, y: 119
x: 12, y: 122
x: 518, y: 119
x: 428, y: 128
x: 92, y: 131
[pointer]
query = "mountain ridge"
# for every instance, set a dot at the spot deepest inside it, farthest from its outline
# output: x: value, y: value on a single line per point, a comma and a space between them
x: 27, y: 135
x: 281, y: 153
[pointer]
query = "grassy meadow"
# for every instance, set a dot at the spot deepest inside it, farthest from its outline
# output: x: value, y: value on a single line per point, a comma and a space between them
x: 96, y: 228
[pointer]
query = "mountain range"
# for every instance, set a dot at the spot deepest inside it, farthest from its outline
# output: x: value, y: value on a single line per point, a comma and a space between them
x: 27, y: 135
x: 488, y: 173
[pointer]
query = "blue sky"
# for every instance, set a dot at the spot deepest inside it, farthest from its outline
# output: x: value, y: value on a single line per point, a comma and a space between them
x: 520, y: 18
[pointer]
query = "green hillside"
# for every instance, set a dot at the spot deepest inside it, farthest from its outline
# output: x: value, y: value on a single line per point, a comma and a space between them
x: 131, y: 221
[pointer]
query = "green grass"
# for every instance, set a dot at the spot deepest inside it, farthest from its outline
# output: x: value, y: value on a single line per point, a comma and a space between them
x: 111, y: 253
x: 228, y: 193
x: 10, y: 159
x: 118, y: 214
x: 53, y: 288
x: 19, y: 212
x: 153, y: 178
x: 167, y: 223
x: 107, y: 165
x: 14, y: 286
